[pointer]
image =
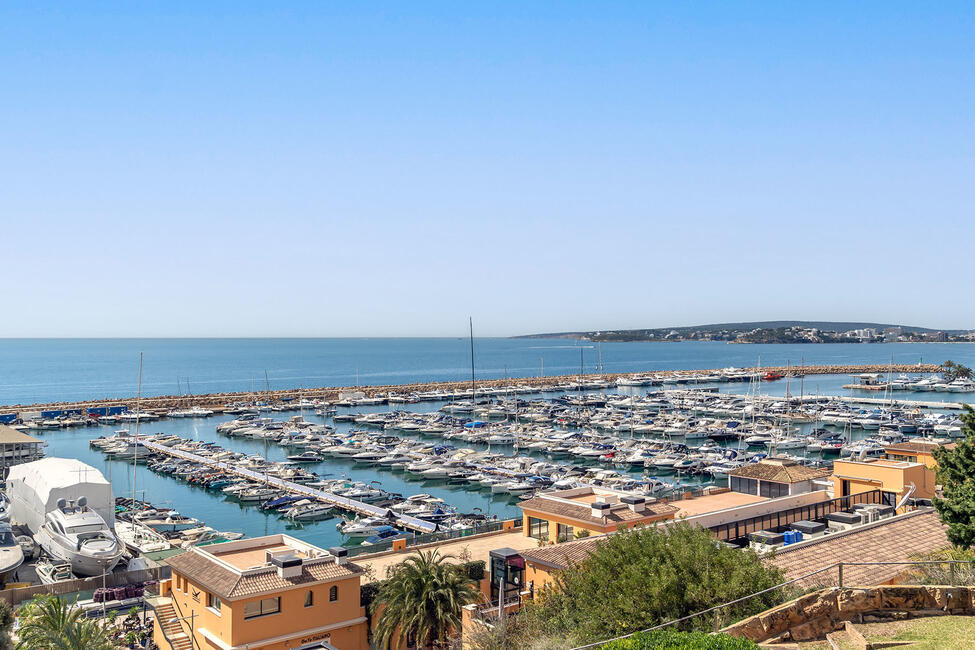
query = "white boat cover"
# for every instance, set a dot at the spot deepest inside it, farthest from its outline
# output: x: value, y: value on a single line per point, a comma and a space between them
x: 35, y: 488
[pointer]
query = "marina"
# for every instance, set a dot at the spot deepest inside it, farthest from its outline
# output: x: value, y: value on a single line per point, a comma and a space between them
x: 610, y: 437
x: 371, y: 466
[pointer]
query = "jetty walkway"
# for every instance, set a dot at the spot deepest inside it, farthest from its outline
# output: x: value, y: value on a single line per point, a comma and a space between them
x: 335, y: 500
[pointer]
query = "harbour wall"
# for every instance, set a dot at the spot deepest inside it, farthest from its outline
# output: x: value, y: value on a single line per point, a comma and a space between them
x: 215, y: 401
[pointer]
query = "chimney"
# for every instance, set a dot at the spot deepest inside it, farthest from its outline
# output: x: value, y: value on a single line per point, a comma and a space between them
x: 599, y: 509
x: 340, y: 554
x: 635, y: 503
x: 287, y: 563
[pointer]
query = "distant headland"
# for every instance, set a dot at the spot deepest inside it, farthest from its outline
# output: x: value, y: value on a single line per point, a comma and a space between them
x: 775, y: 332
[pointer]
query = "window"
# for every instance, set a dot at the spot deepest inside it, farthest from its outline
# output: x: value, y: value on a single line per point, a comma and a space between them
x: 773, y: 490
x: 213, y: 603
x: 309, y: 598
x: 565, y: 533
x: 262, y: 607
x: 538, y: 528
x: 333, y: 594
x: 744, y: 485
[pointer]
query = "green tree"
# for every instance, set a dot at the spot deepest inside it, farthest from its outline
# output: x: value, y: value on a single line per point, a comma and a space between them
x: 48, y: 623
x: 951, y: 371
x: 645, y: 576
x: 422, y: 600
x: 956, y: 473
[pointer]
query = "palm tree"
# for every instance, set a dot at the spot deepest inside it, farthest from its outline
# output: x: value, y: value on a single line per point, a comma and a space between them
x: 423, y: 598
x: 48, y: 623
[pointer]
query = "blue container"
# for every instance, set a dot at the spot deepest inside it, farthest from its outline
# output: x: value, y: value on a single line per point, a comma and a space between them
x: 798, y: 535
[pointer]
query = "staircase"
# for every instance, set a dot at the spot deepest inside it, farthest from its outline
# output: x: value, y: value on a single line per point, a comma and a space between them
x: 171, y: 629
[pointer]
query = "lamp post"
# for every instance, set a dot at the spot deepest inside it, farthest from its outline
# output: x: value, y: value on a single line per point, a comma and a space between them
x: 177, y: 619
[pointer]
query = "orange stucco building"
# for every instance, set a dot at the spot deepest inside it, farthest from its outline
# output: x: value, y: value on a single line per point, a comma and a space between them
x: 916, y: 451
x: 855, y: 476
x: 267, y: 593
x: 903, y: 465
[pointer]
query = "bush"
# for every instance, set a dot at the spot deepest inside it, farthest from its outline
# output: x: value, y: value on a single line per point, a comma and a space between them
x: 647, y: 576
x: 474, y: 570
x: 368, y: 591
x: 672, y: 640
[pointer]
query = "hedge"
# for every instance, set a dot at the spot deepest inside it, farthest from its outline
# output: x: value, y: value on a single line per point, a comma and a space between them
x: 672, y: 640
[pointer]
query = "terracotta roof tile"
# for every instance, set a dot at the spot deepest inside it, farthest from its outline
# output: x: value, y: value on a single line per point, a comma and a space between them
x: 230, y: 585
x: 561, y: 556
x: 919, y: 446
x: 779, y: 473
x: 890, y: 540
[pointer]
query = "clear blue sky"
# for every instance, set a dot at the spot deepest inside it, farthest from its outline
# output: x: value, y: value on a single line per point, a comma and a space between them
x: 334, y: 169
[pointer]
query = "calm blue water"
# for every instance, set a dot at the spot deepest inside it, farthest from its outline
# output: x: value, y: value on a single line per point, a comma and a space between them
x: 43, y: 370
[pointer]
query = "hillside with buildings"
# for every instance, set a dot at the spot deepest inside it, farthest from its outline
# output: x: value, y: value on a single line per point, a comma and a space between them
x: 775, y: 332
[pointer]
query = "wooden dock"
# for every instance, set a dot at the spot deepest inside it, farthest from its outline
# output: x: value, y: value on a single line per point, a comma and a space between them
x: 343, y: 503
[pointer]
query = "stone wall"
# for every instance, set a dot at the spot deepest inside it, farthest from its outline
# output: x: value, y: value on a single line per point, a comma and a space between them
x: 816, y: 614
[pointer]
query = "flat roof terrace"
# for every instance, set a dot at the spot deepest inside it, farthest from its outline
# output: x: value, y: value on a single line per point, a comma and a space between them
x: 714, y: 502
x: 248, y: 558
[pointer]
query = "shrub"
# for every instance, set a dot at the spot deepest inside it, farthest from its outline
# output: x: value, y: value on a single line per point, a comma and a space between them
x: 647, y: 576
x: 474, y: 569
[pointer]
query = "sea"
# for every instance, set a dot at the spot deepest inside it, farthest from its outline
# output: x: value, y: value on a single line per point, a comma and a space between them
x: 46, y: 370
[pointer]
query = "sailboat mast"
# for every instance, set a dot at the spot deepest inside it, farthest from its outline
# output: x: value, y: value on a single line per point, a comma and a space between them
x: 473, y: 385
x: 138, y: 414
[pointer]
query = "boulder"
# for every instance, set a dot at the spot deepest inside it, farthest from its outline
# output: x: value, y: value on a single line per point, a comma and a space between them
x: 816, y: 605
x: 817, y: 628
x: 850, y: 601
x: 904, y: 598
x: 751, y: 629
x: 780, y: 619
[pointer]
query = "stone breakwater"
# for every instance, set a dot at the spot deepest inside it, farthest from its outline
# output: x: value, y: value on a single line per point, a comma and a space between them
x: 331, y: 393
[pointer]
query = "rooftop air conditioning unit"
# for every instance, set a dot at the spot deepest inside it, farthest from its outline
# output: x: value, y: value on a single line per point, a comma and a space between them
x: 764, y: 541
x: 809, y: 529
x: 840, y: 521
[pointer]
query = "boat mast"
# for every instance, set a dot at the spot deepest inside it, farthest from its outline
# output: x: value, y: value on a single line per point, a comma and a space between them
x: 582, y: 371
x: 138, y: 414
x: 473, y: 385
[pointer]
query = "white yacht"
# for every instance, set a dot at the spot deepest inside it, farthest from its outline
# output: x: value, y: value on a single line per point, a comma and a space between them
x: 11, y: 553
x: 308, y: 510
x: 140, y: 538
x: 76, y: 534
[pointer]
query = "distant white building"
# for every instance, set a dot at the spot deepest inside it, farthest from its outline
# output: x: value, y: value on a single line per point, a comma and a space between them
x: 892, y: 334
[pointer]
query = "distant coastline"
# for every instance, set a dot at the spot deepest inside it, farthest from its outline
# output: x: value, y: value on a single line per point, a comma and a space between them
x: 773, y: 332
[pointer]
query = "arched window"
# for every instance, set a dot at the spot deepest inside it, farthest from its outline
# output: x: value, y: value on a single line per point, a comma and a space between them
x: 309, y: 598
x: 333, y: 593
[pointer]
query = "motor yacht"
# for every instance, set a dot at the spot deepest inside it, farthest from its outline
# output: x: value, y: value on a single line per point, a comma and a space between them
x: 11, y: 553
x: 76, y: 534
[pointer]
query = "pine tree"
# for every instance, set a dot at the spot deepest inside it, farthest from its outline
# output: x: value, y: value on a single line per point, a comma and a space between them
x: 956, y: 473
